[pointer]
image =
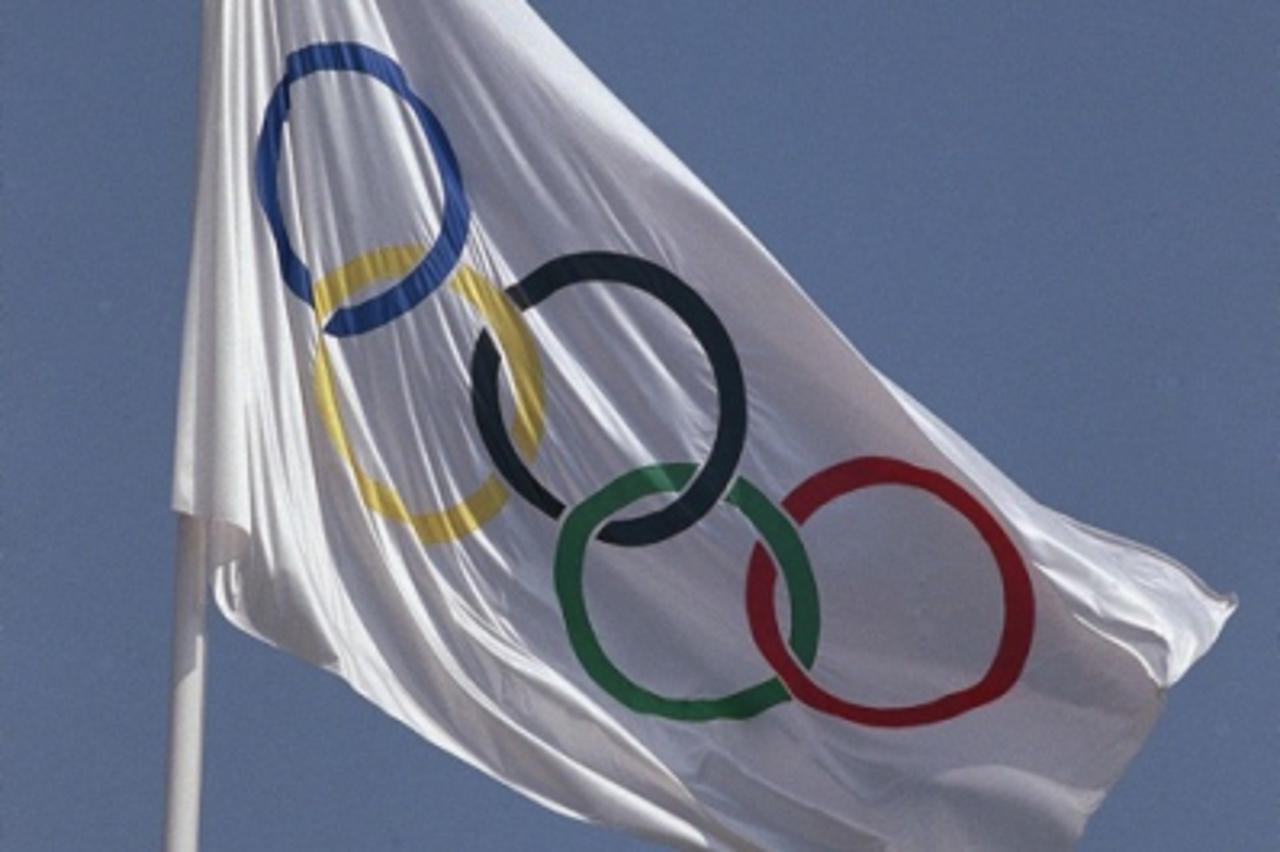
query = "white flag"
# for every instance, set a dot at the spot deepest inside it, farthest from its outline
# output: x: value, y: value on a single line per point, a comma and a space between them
x: 496, y: 412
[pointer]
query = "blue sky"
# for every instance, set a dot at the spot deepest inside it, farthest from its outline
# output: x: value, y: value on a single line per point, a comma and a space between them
x: 1053, y: 223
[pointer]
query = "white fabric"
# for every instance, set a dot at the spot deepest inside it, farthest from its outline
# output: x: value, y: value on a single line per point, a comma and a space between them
x: 465, y: 641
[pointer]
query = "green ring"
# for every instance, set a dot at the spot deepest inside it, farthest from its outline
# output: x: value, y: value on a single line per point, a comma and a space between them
x: 779, y: 535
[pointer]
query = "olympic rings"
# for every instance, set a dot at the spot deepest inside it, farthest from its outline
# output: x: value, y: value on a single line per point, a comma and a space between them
x: 422, y: 270
x: 487, y: 500
x: 778, y: 532
x: 1019, y: 601
x: 717, y: 473
x: 436, y: 264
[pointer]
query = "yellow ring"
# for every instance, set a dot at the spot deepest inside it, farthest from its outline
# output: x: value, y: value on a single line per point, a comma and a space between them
x: 468, y: 514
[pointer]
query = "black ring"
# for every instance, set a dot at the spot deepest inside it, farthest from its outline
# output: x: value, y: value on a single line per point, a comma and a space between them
x: 711, y: 482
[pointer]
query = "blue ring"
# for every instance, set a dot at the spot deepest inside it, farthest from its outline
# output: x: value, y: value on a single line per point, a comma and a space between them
x: 435, y: 266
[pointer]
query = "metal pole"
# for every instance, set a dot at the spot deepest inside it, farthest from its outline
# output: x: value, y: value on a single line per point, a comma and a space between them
x: 186, y: 707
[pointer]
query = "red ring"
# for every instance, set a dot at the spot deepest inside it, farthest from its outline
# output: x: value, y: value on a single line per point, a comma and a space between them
x: 1019, y: 600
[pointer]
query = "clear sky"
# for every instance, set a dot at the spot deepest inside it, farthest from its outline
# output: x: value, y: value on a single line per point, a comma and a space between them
x: 1055, y: 224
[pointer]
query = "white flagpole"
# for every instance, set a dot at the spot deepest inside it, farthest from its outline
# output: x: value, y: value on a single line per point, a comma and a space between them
x: 186, y: 707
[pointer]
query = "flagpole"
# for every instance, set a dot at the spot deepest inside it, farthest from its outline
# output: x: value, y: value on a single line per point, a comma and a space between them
x: 186, y: 698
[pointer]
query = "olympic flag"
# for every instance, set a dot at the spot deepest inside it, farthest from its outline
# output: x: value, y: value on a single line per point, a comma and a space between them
x: 491, y: 408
